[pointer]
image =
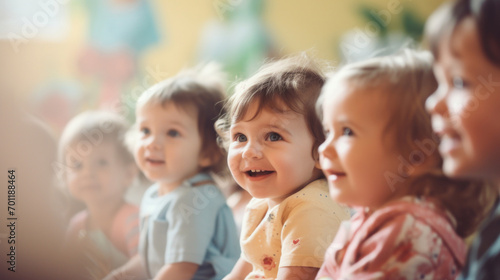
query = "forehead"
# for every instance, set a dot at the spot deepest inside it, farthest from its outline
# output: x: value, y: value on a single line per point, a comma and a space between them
x: 346, y: 100
x: 84, y: 147
x: 275, y: 112
x: 168, y: 109
x: 463, y: 45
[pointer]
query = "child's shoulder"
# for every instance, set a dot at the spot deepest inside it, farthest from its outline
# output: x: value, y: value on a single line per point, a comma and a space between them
x: 314, y: 192
x: 412, y: 213
x: 76, y: 224
x: 314, y: 195
x: 200, y: 190
x: 418, y: 207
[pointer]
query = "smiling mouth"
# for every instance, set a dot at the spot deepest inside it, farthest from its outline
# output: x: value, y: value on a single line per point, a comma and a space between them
x: 258, y: 173
x: 334, y: 174
x: 154, y: 161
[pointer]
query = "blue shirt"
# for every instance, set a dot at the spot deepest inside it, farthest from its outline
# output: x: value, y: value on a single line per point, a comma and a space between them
x: 483, y: 261
x: 193, y: 224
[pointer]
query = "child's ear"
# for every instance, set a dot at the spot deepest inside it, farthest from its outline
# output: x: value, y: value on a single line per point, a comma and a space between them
x: 316, y: 164
x: 316, y: 159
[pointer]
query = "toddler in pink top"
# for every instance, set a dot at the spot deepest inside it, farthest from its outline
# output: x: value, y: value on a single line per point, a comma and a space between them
x: 381, y: 157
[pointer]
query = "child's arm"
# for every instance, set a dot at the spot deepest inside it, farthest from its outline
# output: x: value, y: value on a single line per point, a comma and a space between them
x: 177, y: 271
x: 297, y: 272
x: 240, y: 270
x: 133, y: 269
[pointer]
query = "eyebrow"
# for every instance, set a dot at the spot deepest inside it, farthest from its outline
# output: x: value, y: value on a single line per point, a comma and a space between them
x: 346, y: 122
x: 280, y: 128
x: 169, y: 123
x: 269, y: 126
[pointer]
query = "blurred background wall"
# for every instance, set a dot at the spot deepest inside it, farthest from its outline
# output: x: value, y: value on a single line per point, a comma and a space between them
x: 63, y: 56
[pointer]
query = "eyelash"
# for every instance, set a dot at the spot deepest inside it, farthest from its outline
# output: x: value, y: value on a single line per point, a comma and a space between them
x: 346, y: 131
x: 270, y: 134
x: 237, y: 136
x: 459, y: 83
x: 145, y: 131
x: 173, y: 133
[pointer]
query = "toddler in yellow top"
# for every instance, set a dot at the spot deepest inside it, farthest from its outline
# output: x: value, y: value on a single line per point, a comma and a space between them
x: 272, y: 134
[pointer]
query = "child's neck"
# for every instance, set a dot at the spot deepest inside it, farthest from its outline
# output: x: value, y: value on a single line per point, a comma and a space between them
x: 101, y: 215
x: 167, y: 187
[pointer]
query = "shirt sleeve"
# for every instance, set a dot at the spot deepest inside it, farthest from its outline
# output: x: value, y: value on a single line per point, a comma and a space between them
x: 191, y: 224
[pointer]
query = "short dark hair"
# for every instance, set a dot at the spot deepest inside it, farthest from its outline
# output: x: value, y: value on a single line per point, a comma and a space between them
x: 202, y: 88
x: 485, y: 13
x: 294, y: 82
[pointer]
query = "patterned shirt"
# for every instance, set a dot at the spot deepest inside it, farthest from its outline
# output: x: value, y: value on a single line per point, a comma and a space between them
x: 296, y: 232
x: 407, y: 239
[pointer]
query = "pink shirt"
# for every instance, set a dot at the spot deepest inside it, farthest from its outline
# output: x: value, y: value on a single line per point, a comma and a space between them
x: 407, y: 239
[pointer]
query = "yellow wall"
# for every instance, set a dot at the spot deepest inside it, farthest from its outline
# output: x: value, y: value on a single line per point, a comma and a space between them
x: 295, y: 24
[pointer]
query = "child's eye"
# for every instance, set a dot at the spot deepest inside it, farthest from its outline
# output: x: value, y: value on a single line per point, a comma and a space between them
x: 459, y: 83
x: 240, y: 137
x: 173, y: 133
x: 347, y: 131
x: 76, y: 165
x: 145, y: 131
x: 273, y: 136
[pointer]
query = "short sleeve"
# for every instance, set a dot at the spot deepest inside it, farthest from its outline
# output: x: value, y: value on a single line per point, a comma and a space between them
x: 306, y: 234
x: 191, y: 224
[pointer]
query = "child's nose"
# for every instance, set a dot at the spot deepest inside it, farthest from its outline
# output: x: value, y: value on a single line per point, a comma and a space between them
x: 252, y: 150
x: 88, y: 169
x: 436, y: 103
x: 326, y: 149
x: 153, y: 142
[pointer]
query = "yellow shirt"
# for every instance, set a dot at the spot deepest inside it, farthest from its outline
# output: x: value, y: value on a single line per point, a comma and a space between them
x: 296, y: 232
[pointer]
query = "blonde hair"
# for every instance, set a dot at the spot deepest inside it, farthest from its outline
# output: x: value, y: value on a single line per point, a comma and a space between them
x: 202, y: 87
x: 93, y: 128
x: 294, y: 82
x: 407, y: 80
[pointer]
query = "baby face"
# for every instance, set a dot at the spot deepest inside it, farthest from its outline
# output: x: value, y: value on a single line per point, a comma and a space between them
x: 97, y: 175
x: 270, y: 154
x: 168, y: 146
x: 356, y: 157
x: 466, y: 107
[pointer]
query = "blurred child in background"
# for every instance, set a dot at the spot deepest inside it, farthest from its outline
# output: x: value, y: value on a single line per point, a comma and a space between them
x: 465, y: 110
x: 187, y: 229
x: 380, y: 156
x: 99, y: 168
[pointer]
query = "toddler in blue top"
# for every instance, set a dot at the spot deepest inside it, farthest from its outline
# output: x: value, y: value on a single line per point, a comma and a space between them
x: 187, y: 229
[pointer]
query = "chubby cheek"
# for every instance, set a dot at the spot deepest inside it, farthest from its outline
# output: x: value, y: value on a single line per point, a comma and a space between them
x: 233, y: 162
x: 138, y: 155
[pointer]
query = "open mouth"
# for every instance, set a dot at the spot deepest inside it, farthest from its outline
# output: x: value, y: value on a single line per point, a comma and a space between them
x: 258, y: 173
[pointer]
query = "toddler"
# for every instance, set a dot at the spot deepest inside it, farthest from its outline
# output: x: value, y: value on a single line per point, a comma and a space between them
x: 273, y: 133
x: 465, y: 110
x: 187, y: 229
x: 99, y: 168
x: 380, y: 156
